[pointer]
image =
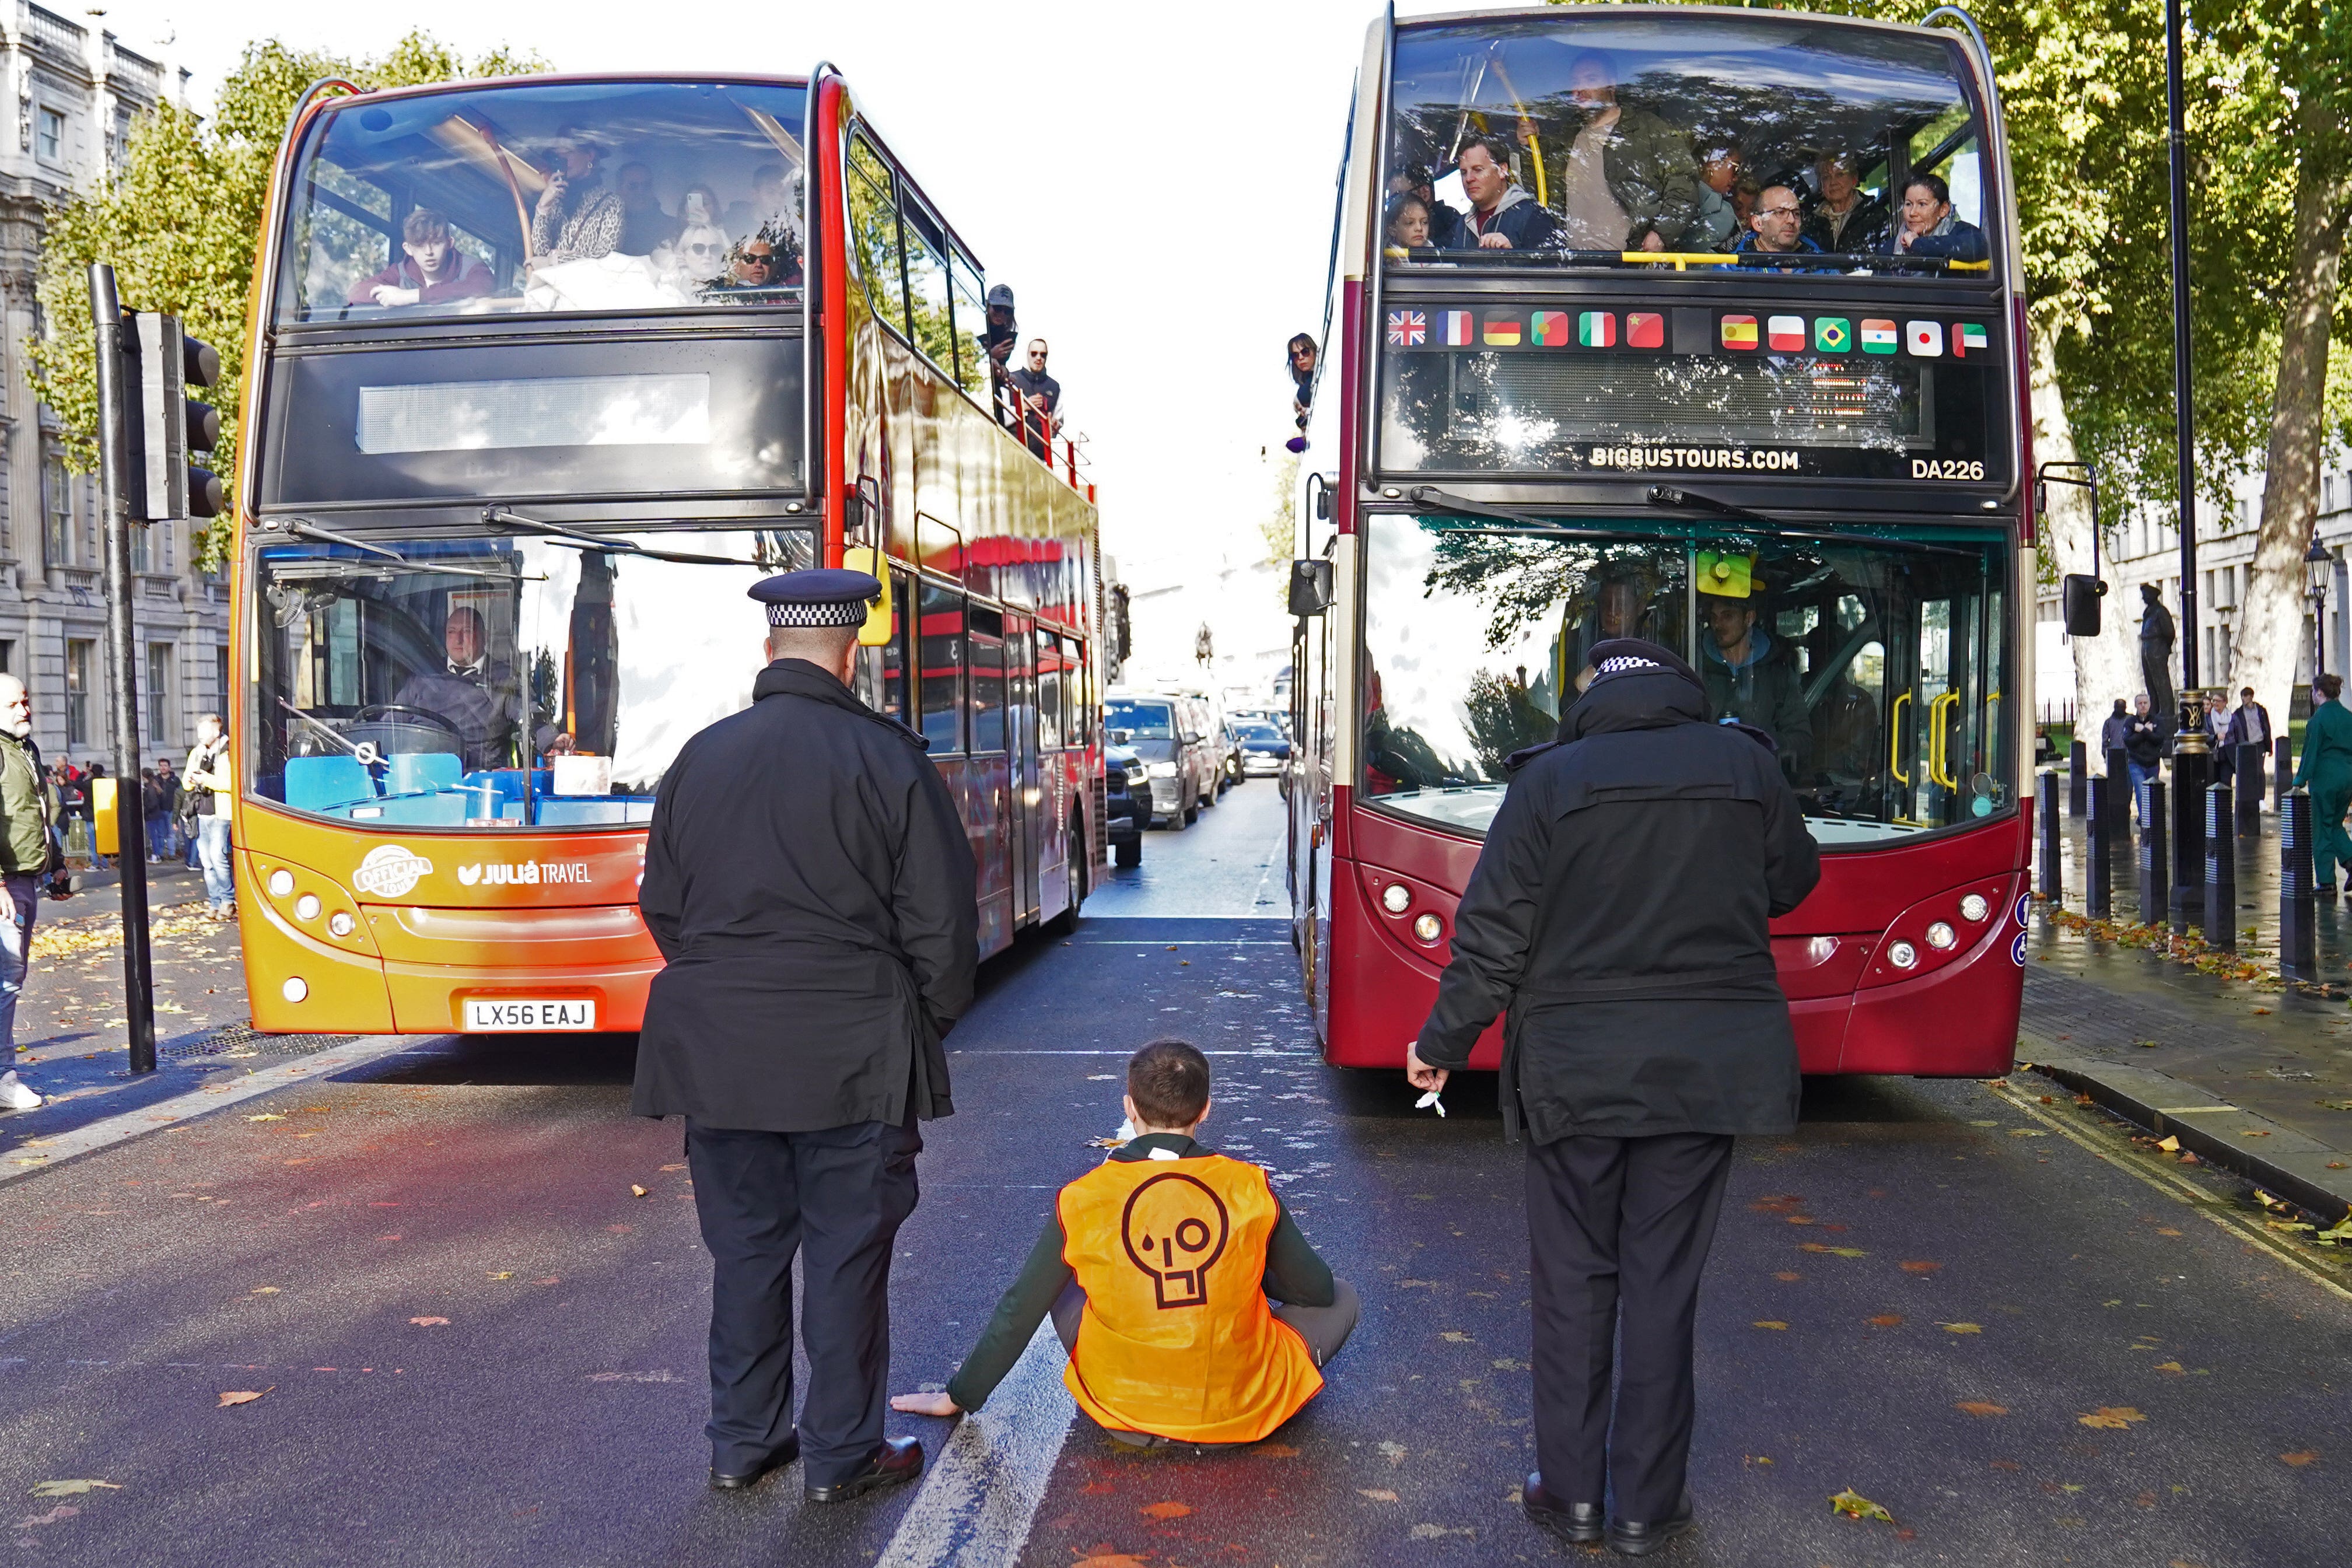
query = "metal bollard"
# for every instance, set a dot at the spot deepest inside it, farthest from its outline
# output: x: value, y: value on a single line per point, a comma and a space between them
x: 2155, y: 856
x: 2220, y: 868
x: 2282, y: 772
x: 2051, y: 884
x: 2098, y: 875
x: 2078, y: 778
x: 2250, y: 789
x: 2298, y: 902
x: 2191, y: 772
x: 2119, y: 796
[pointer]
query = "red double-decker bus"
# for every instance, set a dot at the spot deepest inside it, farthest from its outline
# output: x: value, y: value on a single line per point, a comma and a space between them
x: 546, y: 372
x: 1703, y: 326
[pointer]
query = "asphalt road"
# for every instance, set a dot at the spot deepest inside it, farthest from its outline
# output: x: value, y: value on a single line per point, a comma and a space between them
x: 1994, y: 1317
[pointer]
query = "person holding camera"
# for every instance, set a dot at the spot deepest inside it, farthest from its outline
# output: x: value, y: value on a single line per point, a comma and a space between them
x: 30, y: 864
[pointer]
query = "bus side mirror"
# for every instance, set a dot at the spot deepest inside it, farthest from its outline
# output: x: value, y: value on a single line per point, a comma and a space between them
x: 2081, y: 598
x: 1310, y: 587
x: 877, y: 631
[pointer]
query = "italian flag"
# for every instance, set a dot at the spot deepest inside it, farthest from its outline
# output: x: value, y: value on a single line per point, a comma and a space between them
x: 1597, y: 328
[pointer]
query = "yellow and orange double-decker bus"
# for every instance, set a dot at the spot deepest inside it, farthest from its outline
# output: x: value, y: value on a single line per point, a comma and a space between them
x: 546, y: 372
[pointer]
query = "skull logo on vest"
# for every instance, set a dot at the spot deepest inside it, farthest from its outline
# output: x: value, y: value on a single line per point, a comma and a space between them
x: 1174, y: 1228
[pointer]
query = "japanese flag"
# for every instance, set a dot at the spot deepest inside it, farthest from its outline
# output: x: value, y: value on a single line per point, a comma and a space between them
x: 1924, y: 339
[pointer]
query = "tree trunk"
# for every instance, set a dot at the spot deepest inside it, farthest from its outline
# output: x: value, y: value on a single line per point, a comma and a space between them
x: 2270, y: 636
x: 2105, y: 667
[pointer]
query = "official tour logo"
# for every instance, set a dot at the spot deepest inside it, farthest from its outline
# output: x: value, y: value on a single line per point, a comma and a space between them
x: 1174, y: 1228
x: 390, y: 870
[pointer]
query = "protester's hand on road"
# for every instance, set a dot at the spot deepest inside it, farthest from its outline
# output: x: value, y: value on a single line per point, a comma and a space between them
x: 925, y: 1405
x: 1420, y: 1074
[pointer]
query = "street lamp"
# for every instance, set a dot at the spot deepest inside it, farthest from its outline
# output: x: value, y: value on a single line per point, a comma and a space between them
x: 2320, y: 567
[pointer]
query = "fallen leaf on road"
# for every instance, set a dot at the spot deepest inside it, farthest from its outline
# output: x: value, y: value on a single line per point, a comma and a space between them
x: 1274, y: 1451
x: 1961, y: 1328
x: 1439, y: 1532
x: 507, y: 1275
x: 430, y: 1322
x: 2027, y: 1132
x: 1377, y: 1494
x: 2173, y: 1367
x: 62, y: 1511
x: 1854, y: 1505
x: 1981, y: 1407
x: 1769, y: 1323
x: 264, y: 1290
x: 2165, y: 1230
x: 636, y: 1191
x: 1788, y: 1273
x: 1455, y: 1337
x: 2170, y: 1146
x: 1833, y: 1251
x: 71, y: 1488
x: 1919, y: 1266
x: 680, y: 1166
x: 243, y: 1397
x: 1105, y: 1559
x: 2300, y: 1457
x: 2112, y: 1418
x: 266, y: 1116
x: 1887, y: 1320
x: 1164, y: 1510
x: 1393, y: 1453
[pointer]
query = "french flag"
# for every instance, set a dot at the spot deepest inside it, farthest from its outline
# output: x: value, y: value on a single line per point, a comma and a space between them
x: 1460, y: 331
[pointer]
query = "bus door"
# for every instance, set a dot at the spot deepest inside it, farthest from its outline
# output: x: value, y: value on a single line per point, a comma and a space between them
x: 1026, y: 802
x: 1057, y: 793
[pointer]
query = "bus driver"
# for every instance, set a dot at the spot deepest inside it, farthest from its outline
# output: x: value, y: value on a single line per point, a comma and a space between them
x: 476, y: 696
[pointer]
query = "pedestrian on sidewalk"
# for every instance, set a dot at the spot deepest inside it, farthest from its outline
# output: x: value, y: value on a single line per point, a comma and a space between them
x: 1218, y: 1335
x: 2250, y: 725
x: 158, y: 792
x: 1618, y: 920
x: 2326, y: 771
x: 29, y: 859
x: 2144, y: 748
x: 808, y: 882
x: 2115, y: 732
x: 213, y: 777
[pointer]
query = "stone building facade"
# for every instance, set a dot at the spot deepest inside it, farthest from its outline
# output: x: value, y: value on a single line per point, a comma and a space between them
x: 75, y: 91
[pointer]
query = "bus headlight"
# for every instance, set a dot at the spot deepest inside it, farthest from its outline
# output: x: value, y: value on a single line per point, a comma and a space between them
x: 340, y: 923
x: 306, y: 908
x: 1974, y: 907
x: 1939, y: 936
x: 1429, y: 928
x: 1902, y: 955
x: 281, y: 882
x: 1396, y: 898
x: 295, y: 989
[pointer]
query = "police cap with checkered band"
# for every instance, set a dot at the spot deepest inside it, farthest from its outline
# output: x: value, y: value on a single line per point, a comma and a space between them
x: 818, y: 597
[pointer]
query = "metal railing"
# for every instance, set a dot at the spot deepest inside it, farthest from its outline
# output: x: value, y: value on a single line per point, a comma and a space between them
x: 1063, y: 455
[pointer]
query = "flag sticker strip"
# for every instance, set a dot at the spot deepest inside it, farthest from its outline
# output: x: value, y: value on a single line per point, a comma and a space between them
x: 1503, y: 330
x: 1597, y: 328
x: 1549, y: 329
x: 1645, y: 329
x: 1739, y: 332
x: 1878, y: 337
x: 1833, y: 335
x: 1407, y: 329
x: 1968, y: 335
x: 1924, y: 339
x: 1785, y: 334
x: 1458, y: 328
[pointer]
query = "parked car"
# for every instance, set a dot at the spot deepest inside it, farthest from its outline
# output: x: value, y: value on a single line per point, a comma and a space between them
x: 1126, y: 809
x: 1175, y: 756
x: 1265, y: 751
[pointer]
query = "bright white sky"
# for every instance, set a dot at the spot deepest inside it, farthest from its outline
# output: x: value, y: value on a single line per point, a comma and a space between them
x: 1156, y: 185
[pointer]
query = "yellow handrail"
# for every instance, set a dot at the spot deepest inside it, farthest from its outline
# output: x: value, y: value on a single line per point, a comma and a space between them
x: 1682, y: 261
x: 1894, y: 739
x: 1939, y: 760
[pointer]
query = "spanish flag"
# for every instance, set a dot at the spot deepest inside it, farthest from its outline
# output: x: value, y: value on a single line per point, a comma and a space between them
x: 1739, y: 332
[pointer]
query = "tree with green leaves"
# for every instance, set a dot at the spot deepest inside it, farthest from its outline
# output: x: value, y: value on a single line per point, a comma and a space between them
x: 182, y: 225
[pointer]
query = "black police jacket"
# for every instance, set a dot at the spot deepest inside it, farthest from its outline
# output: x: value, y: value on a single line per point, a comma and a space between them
x: 809, y: 883
x: 1617, y: 920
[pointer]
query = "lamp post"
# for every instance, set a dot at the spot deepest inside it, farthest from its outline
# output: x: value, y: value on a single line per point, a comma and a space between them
x: 2321, y: 566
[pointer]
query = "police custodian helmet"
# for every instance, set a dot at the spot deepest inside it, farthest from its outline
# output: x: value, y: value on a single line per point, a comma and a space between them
x: 819, y: 597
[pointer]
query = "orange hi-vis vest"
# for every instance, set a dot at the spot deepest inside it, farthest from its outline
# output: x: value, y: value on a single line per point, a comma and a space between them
x: 1178, y: 1340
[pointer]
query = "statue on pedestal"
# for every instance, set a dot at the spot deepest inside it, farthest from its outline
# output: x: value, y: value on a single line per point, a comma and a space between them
x: 2155, y: 639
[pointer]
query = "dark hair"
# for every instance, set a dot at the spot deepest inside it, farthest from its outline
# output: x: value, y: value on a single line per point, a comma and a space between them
x: 2331, y: 685
x: 1168, y: 1081
x: 1498, y: 148
x: 1299, y: 341
x: 1401, y: 201
x: 422, y: 224
x: 1933, y: 184
x: 2245, y: 691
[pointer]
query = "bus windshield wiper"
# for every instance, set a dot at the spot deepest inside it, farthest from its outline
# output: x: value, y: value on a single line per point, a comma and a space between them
x: 1670, y: 495
x: 507, y: 517
x: 303, y: 527
x: 1428, y: 495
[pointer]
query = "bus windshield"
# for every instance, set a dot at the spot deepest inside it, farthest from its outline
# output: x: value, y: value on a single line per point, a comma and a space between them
x: 548, y: 196
x: 1875, y: 659
x: 498, y: 681
x: 1560, y: 141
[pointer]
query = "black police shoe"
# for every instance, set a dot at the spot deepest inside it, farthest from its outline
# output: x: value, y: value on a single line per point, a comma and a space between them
x: 743, y: 1480
x: 1636, y: 1539
x: 896, y: 1462
x: 1579, y: 1524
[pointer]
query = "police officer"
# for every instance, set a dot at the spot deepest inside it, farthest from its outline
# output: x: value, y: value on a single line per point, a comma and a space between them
x: 1617, y: 918
x: 808, y: 880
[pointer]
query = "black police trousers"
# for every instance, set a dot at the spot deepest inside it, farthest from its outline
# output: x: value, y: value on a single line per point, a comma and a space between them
x: 1619, y: 1230
x: 836, y: 1198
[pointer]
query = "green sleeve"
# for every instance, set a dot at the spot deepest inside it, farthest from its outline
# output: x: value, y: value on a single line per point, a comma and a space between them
x: 1018, y: 1312
x: 1295, y: 1272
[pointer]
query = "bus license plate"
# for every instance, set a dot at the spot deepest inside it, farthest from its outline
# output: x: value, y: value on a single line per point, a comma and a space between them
x: 494, y: 1014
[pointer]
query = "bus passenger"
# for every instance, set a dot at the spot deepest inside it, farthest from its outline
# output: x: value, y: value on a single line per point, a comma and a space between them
x: 476, y: 696
x: 576, y: 219
x: 1844, y: 220
x: 1628, y: 179
x: 1776, y: 229
x: 1502, y: 215
x: 1719, y: 224
x: 1927, y: 227
x: 699, y: 205
x: 702, y: 253
x: 1409, y: 225
x: 1041, y: 400
x: 771, y: 206
x: 644, y: 224
x: 431, y: 270
x: 1748, y: 677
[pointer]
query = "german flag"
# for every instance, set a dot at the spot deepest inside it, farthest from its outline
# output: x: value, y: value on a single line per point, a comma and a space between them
x: 1503, y: 331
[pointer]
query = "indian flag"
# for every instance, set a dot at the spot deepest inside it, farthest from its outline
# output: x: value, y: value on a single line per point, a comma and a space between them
x: 1878, y: 337
x: 1458, y: 330
x: 1503, y: 331
x: 1739, y: 332
x: 1551, y: 329
x: 1968, y: 335
x: 1597, y: 328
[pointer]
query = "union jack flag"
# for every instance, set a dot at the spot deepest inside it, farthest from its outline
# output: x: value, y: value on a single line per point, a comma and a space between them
x: 1407, y: 329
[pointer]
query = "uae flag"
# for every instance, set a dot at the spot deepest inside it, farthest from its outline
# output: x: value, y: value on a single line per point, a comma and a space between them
x: 1739, y: 332
x: 1968, y: 335
x: 1458, y: 330
x: 1597, y: 328
x: 1785, y: 334
x: 1549, y: 329
x: 1645, y: 329
x: 1924, y: 339
x: 1877, y: 337
x: 1503, y: 331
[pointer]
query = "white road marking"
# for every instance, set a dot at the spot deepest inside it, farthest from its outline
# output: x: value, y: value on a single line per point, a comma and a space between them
x: 981, y: 1494
x: 37, y: 1154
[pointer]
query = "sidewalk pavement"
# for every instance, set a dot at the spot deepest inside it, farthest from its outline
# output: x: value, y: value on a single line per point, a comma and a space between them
x: 2247, y: 1072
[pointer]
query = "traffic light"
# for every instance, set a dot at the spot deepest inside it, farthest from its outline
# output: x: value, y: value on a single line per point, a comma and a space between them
x: 167, y: 425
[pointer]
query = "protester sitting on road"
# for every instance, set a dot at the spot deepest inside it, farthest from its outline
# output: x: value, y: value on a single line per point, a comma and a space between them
x: 1845, y: 220
x: 644, y: 224
x: 2144, y: 740
x: 1628, y: 179
x: 432, y: 270
x: 1776, y: 229
x: 1751, y: 679
x: 28, y: 806
x: 576, y: 219
x: 1618, y: 917
x: 1192, y: 1308
x: 1503, y: 216
x: 1927, y: 227
x: 2327, y: 772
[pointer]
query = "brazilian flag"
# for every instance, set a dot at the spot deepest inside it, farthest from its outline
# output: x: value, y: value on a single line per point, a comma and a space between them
x: 1833, y: 335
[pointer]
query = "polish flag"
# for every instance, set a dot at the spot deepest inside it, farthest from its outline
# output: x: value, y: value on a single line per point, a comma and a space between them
x: 1785, y: 334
